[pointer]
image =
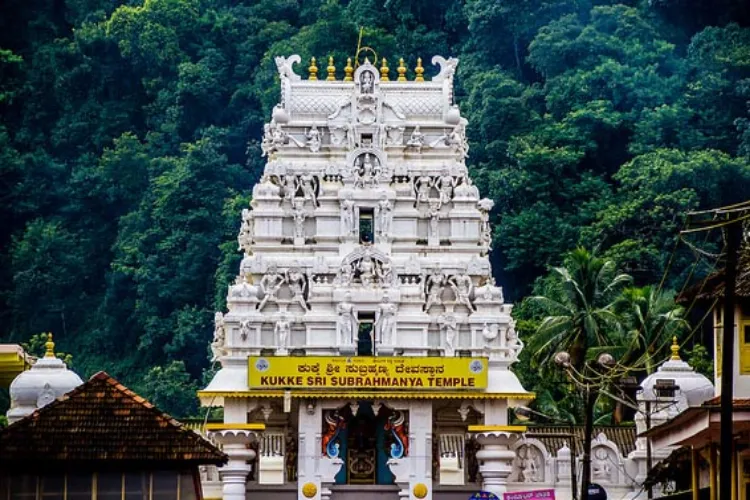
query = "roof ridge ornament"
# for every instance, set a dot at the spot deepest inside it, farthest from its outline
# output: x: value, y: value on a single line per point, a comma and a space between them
x: 675, y: 350
x: 50, y: 346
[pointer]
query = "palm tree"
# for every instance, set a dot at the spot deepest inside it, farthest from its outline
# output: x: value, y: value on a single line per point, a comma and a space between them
x: 649, y: 319
x: 579, y: 308
x: 580, y: 319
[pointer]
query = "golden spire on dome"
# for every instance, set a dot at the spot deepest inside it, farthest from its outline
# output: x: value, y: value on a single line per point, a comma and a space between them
x: 384, y: 69
x: 313, y: 69
x: 331, y: 70
x: 50, y: 347
x: 401, y: 71
x: 419, y: 70
x: 349, y: 70
x: 675, y: 349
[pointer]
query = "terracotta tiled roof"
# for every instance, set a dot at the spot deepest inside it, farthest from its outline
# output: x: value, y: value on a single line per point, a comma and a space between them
x: 623, y: 436
x: 737, y: 403
x: 103, y: 421
x: 713, y: 286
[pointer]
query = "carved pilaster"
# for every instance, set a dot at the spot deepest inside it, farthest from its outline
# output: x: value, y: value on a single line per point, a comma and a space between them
x: 496, y: 455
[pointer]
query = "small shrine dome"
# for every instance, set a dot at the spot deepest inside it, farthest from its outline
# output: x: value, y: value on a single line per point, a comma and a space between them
x: 48, y: 379
x: 693, y: 388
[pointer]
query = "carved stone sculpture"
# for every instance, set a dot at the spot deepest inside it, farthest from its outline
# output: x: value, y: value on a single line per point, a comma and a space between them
x: 385, y: 321
x: 347, y: 322
x: 281, y: 331
x: 449, y: 326
x: 313, y: 139
x: 463, y: 287
x: 383, y: 214
x: 348, y: 226
x: 416, y: 140
x: 270, y: 285
x: 296, y: 280
x: 217, y: 346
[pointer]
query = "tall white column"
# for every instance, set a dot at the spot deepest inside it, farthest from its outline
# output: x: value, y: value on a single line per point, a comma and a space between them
x: 235, y: 443
x: 315, y: 473
x: 496, y: 456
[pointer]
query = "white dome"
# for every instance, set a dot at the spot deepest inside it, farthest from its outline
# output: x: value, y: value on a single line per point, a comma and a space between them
x: 47, y: 380
x: 694, y: 388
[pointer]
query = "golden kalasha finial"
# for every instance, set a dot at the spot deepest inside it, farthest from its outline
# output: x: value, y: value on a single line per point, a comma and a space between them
x: 384, y: 69
x: 50, y: 347
x: 313, y: 69
x: 401, y: 71
x: 331, y: 70
x: 348, y: 71
x: 419, y: 70
x: 675, y: 349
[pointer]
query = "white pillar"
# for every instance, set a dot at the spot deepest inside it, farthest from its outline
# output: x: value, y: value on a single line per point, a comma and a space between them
x: 496, y: 457
x: 233, y: 475
x: 315, y: 473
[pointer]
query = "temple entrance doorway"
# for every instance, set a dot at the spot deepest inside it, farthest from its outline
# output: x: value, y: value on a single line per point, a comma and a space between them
x: 366, y: 437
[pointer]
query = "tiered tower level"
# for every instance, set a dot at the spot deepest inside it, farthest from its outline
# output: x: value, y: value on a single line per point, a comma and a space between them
x: 365, y: 237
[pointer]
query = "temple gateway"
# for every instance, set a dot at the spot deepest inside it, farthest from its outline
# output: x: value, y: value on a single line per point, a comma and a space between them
x: 366, y: 349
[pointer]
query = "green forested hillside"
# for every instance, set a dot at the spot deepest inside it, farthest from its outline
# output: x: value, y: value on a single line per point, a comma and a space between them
x: 129, y: 141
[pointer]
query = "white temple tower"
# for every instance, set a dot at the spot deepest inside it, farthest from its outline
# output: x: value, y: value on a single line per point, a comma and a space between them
x: 365, y: 337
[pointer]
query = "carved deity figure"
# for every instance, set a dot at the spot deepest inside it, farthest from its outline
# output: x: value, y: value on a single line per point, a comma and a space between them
x: 270, y: 284
x: 449, y: 325
x: 423, y: 186
x: 366, y: 80
x: 347, y: 216
x: 245, y: 237
x: 281, y: 331
x: 278, y: 137
x: 366, y: 271
x: 367, y: 169
x: 346, y: 273
x: 307, y: 182
x: 299, y: 218
x: 296, y: 281
x: 445, y: 184
x: 463, y: 287
x: 485, y: 231
x: 347, y: 321
x: 290, y: 183
x: 385, y: 273
x: 266, y: 145
x: 434, y: 220
x: 529, y: 466
x: 385, y: 321
x: 416, y: 140
x: 602, y: 468
x: 383, y: 214
x: 434, y: 289
x: 313, y: 139
x: 220, y: 334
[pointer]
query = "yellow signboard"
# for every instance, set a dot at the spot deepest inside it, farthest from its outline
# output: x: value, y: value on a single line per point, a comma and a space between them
x: 366, y: 372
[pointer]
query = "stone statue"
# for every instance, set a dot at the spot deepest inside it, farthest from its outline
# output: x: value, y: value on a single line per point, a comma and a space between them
x: 416, y: 140
x: 346, y: 273
x: 463, y: 287
x: 347, y: 216
x: 366, y: 269
x: 434, y: 289
x: 220, y: 334
x: 514, y: 343
x: 602, y: 469
x: 457, y: 140
x: 435, y: 221
x: 307, y: 182
x: 385, y: 321
x: 485, y: 231
x: 367, y: 170
x: 423, y: 185
x: 347, y: 322
x: 366, y: 80
x: 266, y: 145
x: 313, y: 139
x: 529, y: 465
x: 298, y: 208
x: 449, y: 325
x: 290, y: 186
x: 281, y: 330
x: 245, y: 238
x: 270, y: 285
x: 296, y: 281
x: 383, y: 214
x: 385, y: 273
x: 245, y: 329
x: 445, y: 184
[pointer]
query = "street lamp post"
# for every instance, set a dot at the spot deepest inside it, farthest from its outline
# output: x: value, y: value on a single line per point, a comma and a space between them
x: 589, y: 387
